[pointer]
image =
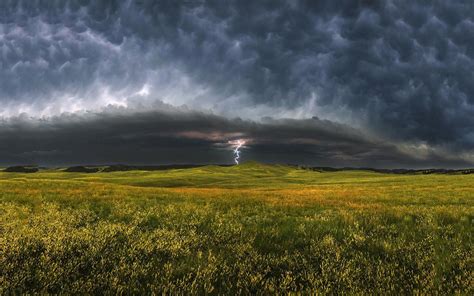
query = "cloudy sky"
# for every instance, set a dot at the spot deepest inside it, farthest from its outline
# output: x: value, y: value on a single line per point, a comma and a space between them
x: 324, y: 83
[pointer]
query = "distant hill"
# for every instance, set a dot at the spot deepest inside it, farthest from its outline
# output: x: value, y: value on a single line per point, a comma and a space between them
x: 82, y: 169
x: 123, y: 167
x: 21, y: 169
x: 249, y: 165
x: 394, y: 171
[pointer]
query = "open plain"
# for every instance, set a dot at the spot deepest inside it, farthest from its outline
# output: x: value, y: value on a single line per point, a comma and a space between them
x: 251, y: 228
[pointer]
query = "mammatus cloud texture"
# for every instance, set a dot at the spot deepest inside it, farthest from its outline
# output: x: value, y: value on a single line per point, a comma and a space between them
x: 97, y: 74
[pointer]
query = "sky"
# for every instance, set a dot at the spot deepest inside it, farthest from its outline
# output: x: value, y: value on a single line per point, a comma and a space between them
x: 368, y: 83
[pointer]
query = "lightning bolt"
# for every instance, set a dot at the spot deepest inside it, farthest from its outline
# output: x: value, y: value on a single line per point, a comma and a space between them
x: 238, y: 144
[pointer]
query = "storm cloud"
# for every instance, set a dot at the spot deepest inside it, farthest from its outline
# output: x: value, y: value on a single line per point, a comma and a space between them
x: 399, y: 73
x: 179, y: 135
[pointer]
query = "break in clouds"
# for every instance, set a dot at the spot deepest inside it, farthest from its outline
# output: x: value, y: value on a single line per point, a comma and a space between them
x: 347, y: 83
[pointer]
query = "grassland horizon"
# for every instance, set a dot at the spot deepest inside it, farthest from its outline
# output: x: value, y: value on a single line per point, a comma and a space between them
x: 247, y: 229
x: 113, y: 167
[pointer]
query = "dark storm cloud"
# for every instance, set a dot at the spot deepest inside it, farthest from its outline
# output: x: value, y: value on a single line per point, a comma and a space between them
x: 177, y: 135
x: 401, y: 70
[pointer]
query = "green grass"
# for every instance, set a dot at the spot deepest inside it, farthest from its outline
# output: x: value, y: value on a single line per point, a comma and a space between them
x: 225, y: 230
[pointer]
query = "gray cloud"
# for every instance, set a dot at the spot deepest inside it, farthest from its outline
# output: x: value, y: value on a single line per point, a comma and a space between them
x: 399, y: 70
x: 178, y: 135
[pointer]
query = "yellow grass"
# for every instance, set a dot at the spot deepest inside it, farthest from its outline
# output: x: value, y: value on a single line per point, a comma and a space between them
x: 236, y: 230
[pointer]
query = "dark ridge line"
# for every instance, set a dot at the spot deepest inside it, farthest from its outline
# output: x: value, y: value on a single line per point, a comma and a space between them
x: 124, y: 167
x: 393, y: 171
x: 109, y: 168
x: 22, y: 169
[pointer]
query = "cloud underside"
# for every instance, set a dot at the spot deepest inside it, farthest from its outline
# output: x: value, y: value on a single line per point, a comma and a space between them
x: 120, y: 135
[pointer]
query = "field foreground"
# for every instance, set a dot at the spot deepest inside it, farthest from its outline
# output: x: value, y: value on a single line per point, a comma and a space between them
x: 246, y: 229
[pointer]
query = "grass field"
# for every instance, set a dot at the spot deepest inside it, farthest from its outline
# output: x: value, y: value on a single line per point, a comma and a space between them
x: 245, y: 229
